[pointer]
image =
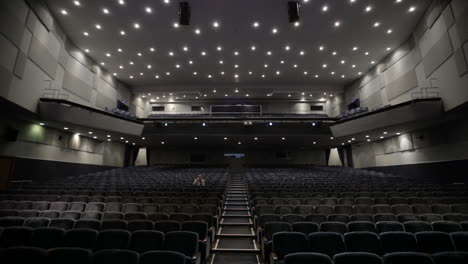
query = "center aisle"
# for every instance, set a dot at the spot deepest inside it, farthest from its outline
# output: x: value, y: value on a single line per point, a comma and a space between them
x: 235, y: 239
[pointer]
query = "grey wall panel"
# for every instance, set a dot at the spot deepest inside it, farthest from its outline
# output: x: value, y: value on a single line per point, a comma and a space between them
x: 462, y: 26
x: 400, y: 52
x: 373, y: 101
x: 8, y: 53
x: 407, y: 63
x: 459, y: 7
x: 17, y: 8
x: 371, y: 87
x: 403, y: 84
x: 103, y: 101
x: 460, y: 59
x: 11, y: 27
x: 20, y: 65
x: 5, y: 80
x: 42, y: 12
x: 76, y: 86
x: 389, y: 146
x: 42, y: 57
x: 63, y: 57
x: 26, y: 41
x: 465, y: 49
x: 437, y: 55
x: 403, y: 142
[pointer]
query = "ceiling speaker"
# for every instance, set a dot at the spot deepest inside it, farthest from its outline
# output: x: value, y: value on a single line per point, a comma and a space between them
x: 184, y: 13
x: 293, y: 11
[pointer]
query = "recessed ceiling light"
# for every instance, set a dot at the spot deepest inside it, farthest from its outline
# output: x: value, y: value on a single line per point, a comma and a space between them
x: 136, y: 25
x: 274, y: 30
x: 131, y: 63
x: 209, y: 76
x: 366, y: 53
x: 324, y: 65
x: 149, y: 66
x: 302, y: 53
x: 343, y: 62
x: 266, y: 65
x: 195, y: 73
x: 389, y: 31
x: 152, y: 49
x: 197, y: 31
x: 119, y: 50
x: 190, y: 62
x: 297, y: 23
x: 337, y: 23
x: 171, y: 53
x: 105, y: 11
x: 102, y: 63
x: 263, y: 75
x: 221, y: 62
x: 334, y: 53
x: 166, y: 1
x: 215, y: 24
x: 121, y: 67
x: 115, y: 74
x: 108, y: 54
x: 86, y: 33
x: 355, y: 48
x: 412, y: 9
x: 353, y: 66
x: 77, y: 3
x: 372, y: 62
x: 203, y: 53
x: 175, y: 24
x: 65, y: 128
x: 139, y: 54
x: 177, y: 66
x: 148, y: 10
x: 219, y: 48
x: 282, y: 62
x: 377, y: 24
x: 295, y: 65
x: 305, y: 73
x: 287, y: 48
x: 256, y: 24
x: 236, y: 66
x: 64, y: 12
x: 253, y: 48
x: 87, y: 50
x: 157, y: 77
x: 316, y: 76
x: 324, y: 8
x: 332, y: 73
x: 277, y: 72
x: 388, y: 48
x: 250, y: 73
x: 321, y: 48
x: 122, y: 33
x: 236, y: 53
x: 122, y: 2
x: 368, y: 8
x: 98, y: 26
x: 268, y: 53
x: 168, y: 73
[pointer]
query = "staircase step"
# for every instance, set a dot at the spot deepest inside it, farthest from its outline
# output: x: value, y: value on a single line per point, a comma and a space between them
x: 235, y: 245
x: 236, y: 213
x: 236, y: 232
x: 224, y: 258
x: 236, y: 221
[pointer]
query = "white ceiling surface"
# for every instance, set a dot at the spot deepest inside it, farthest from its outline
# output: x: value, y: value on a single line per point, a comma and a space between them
x: 236, y: 33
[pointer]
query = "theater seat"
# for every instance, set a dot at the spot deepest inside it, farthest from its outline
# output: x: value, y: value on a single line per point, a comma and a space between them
x: 398, y: 241
x: 451, y: 258
x: 328, y: 243
x: 284, y: 243
x: 116, y: 256
x: 357, y: 258
x: 434, y: 241
x: 407, y: 258
x: 61, y: 255
x: 144, y: 241
x: 307, y: 258
x: 24, y: 255
x: 171, y: 257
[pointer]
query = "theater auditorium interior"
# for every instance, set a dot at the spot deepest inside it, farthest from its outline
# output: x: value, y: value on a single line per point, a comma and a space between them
x: 234, y: 131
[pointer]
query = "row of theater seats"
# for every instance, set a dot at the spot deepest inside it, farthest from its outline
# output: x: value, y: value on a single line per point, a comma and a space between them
x: 28, y: 255
x: 360, y: 201
x: 419, y: 209
x: 286, y: 192
x: 333, y: 244
x: 111, y: 207
x: 198, y: 198
x: 369, y: 258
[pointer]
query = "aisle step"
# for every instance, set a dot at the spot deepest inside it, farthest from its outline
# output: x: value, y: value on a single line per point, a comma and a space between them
x: 236, y: 231
x: 236, y: 208
x: 236, y: 221
x: 235, y: 245
x: 236, y: 214
x: 235, y: 258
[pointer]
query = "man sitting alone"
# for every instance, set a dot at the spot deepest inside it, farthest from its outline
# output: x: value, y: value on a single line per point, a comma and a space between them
x: 199, y: 181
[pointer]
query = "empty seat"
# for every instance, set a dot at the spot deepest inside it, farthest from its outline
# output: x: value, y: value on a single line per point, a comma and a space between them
x: 166, y: 226
x: 62, y: 255
x: 41, y: 205
x: 149, y: 208
x: 382, y: 209
x: 91, y: 216
x: 82, y: 238
x: 24, y: 205
x: 11, y: 221
x: 180, y: 217
x: 15, y: 236
x: 305, y: 227
x: 112, y: 239
x: 364, y: 201
x: 403, y: 218
x: 24, y: 255
x: 113, y: 224
x: 47, y: 237
x: 363, y: 209
x: 65, y: 224
x: 285, y: 243
x: 113, y: 207
x: 338, y: 218
x: 146, y: 240
x: 324, y: 210
x: 90, y: 224
x: 49, y: 214
x: 304, y: 209
x: 398, y: 242
x: 421, y: 209
x: 417, y: 226
x: 169, y: 208
x: 326, y: 243
x: 162, y: 257
x: 131, y: 208
x: 385, y: 218
x: 76, y: 206
x: 460, y: 240
x: 36, y: 222
x: 307, y: 258
x: 116, y: 256
x: 455, y: 217
x: 464, y: 225
x: 95, y: 207
x: 441, y: 209
x: 362, y: 226
x: 292, y: 218
x: 362, y: 241
x: 433, y: 241
x: 357, y: 258
x: 407, y: 258
x: 134, y: 216
x: 337, y: 227
x: 184, y: 242
x: 58, y: 206
x: 112, y: 216
x: 316, y: 218
x: 389, y: 226
x: 28, y: 213
x: 344, y: 209
x: 70, y: 215
x: 8, y: 212
x: 450, y: 258
x: 140, y: 225
x: 460, y: 208
x: 446, y: 226
x: 431, y: 218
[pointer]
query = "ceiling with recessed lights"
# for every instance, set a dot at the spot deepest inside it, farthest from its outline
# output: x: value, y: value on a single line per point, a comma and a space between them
x: 237, y: 42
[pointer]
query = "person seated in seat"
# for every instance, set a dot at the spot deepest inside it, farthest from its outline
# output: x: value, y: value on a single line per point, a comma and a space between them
x: 199, y: 181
